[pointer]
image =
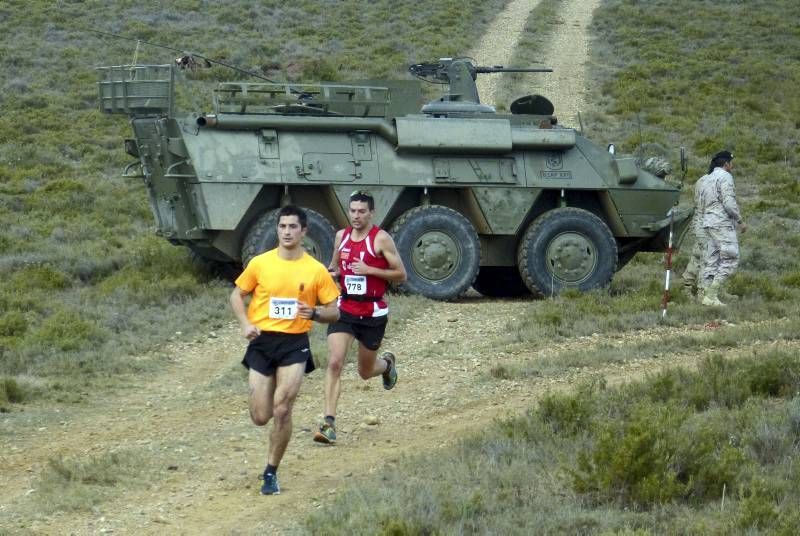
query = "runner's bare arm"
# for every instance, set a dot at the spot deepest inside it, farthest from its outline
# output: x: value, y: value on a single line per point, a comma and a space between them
x: 237, y: 304
x: 326, y: 313
x: 396, y: 272
x: 333, y: 266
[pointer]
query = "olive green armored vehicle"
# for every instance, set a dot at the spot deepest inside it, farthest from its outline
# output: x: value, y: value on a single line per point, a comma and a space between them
x: 505, y: 202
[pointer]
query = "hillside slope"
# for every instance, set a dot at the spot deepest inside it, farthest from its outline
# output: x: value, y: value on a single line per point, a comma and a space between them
x: 188, y: 424
x: 171, y: 450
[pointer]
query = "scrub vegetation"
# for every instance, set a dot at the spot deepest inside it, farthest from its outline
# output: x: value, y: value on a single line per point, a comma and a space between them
x: 706, y: 452
x: 86, y: 284
x: 85, y: 281
x: 711, y: 451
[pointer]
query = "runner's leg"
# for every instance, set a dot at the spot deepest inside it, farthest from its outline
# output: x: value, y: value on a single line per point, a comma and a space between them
x: 287, y: 384
x: 369, y: 364
x: 262, y: 390
x: 338, y: 344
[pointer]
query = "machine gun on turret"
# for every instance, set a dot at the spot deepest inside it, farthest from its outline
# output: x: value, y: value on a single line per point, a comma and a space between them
x: 460, y: 74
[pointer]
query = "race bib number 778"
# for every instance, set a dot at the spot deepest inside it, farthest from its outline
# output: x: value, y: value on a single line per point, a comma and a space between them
x: 356, y: 284
x: 283, y: 308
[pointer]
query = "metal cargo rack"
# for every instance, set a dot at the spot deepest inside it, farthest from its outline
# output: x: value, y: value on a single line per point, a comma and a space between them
x: 136, y: 89
x: 301, y: 99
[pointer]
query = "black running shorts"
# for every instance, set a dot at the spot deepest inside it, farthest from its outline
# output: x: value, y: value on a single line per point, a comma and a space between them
x: 368, y: 330
x: 271, y: 350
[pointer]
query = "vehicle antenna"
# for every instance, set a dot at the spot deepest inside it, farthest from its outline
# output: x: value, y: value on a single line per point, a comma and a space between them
x: 641, y: 137
x: 136, y: 53
x: 179, y: 51
x: 684, y: 166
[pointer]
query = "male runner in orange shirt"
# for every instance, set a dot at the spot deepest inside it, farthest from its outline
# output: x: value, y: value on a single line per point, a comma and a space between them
x: 286, y: 285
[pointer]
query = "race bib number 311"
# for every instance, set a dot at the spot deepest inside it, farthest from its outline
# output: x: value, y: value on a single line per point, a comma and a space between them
x: 356, y: 284
x: 283, y: 308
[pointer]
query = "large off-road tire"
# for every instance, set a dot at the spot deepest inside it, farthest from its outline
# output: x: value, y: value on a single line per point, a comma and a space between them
x: 263, y: 236
x: 500, y: 282
x: 440, y: 250
x: 567, y: 248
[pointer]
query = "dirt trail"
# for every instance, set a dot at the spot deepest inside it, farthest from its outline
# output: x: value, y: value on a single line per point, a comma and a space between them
x: 497, y: 44
x: 567, y: 53
x: 190, y: 422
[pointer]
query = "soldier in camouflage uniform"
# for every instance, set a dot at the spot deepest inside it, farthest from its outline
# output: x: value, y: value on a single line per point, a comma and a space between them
x: 691, y: 276
x: 719, y: 220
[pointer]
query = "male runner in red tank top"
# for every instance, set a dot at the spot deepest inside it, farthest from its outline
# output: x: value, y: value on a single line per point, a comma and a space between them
x: 364, y: 260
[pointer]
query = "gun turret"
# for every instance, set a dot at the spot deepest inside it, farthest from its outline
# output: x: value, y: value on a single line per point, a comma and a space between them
x: 460, y: 74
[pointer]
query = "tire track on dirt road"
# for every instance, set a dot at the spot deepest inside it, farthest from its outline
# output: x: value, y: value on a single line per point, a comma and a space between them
x: 567, y: 53
x: 497, y: 45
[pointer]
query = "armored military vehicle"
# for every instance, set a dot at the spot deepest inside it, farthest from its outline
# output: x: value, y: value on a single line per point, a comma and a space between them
x: 505, y: 202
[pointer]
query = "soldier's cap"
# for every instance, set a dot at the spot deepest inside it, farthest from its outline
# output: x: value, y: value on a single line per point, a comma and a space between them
x: 723, y: 155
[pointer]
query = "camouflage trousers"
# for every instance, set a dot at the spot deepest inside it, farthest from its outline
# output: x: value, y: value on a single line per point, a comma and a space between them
x: 721, y: 255
x: 691, y: 276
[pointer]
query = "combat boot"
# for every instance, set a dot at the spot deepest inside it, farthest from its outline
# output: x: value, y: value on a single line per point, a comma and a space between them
x: 690, y: 288
x: 711, y: 296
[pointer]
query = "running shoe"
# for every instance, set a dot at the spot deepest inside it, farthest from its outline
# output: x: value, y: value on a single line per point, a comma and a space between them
x: 270, y: 486
x: 390, y: 376
x: 326, y: 434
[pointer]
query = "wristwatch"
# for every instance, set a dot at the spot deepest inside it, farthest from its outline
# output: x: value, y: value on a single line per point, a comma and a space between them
x: 314, y: 314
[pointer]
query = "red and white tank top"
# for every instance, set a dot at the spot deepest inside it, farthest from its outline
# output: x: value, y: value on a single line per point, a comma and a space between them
x: 362, y: 295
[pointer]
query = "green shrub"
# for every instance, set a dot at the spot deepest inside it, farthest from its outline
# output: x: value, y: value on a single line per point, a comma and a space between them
x: 11, y: 391
x: 657, y: 450
x: 631, y: 460
x: 726, y: 383
x: 65, y: 186
x: 66, y: 331
x: 568, y: 413
x: 757, y: 506
x: 40, y: 277
x: 791, y: 279
x: 13, y: 324
x: 774, y: 375
x: 317, y: 69
x: 752, y: 284
x: 705, y: 456
x: 146, y: 289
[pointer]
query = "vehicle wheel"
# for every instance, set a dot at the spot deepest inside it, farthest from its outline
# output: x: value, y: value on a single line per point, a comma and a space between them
x: 567, y: 248
x: 500, y: 282
x: 263, y: 236
x: 440, y: 250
